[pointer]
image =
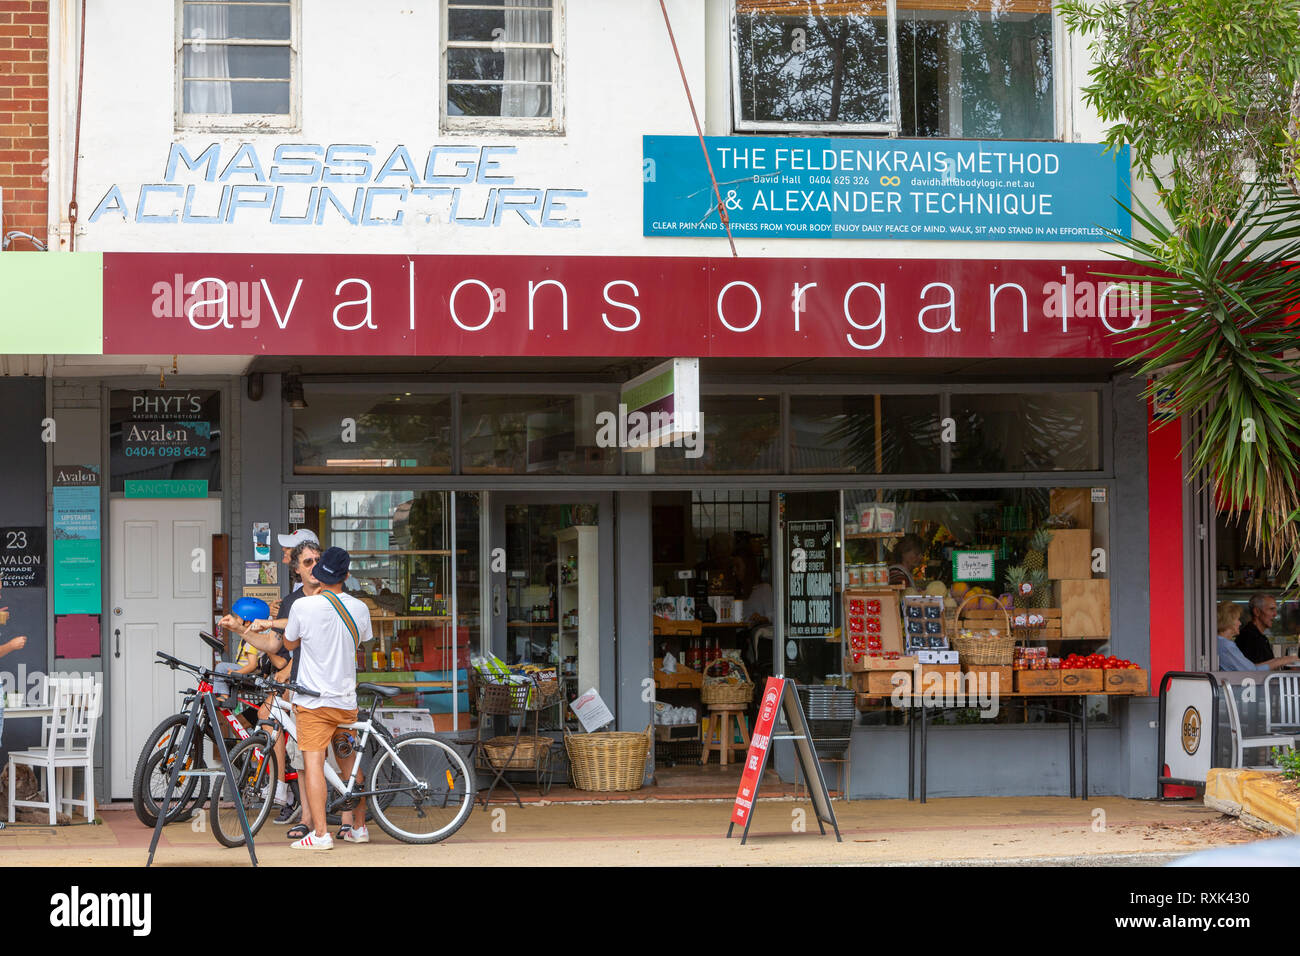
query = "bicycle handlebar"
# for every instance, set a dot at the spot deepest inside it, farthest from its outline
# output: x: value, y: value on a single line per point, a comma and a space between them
x: 174, y: 662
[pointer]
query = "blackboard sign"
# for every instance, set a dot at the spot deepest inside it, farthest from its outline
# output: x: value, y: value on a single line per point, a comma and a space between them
x: 811, y: 562
x: 22, y: 557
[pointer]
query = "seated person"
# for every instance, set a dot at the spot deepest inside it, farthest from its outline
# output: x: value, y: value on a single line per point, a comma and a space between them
x: 1252, y: 641
x: 1230, y: 656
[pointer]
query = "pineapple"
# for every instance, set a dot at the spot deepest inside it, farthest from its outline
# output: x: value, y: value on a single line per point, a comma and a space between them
x: 1016, y: 577
x: 1042, y: 596
x: 1036, y: 558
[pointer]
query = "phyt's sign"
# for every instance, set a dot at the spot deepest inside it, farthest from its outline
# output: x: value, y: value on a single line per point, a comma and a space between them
x: 319, y: 184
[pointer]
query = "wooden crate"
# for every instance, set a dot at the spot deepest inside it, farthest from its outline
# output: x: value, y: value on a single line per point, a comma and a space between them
x: 684, y: 678
x: 1087, y: 680
x: 1003, y: 676
x: 1076, y: 502
x: 669, y: 733
x: 1085, y: 608
x: 882, y: 682
x: 1038, y: 682
x: 1127, y: 681
x: 927, y: 682
x: 1069, y: 556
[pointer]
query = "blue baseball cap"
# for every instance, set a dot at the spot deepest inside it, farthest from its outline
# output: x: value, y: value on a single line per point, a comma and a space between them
x: 332, y: 566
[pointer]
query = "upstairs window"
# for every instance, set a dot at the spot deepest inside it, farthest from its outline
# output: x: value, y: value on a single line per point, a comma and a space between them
x: 975, y: 69
x: 237, y: 64
x: 502, y: 66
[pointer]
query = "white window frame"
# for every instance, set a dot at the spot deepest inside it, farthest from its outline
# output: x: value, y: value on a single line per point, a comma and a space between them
x: 553, y: 124
x: 243, y: 122
x: 891, y: 128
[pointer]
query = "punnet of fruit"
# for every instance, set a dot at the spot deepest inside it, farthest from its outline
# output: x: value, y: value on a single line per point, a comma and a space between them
x: 1097, y: 662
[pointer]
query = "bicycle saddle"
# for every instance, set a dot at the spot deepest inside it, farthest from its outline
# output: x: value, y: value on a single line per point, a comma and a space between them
x: 379, y: 689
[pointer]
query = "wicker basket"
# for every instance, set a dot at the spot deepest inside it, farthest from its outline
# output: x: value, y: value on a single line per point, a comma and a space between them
x: 527, y: 756
x: 607, y: 762
x: 982, y: 647
x: 716, y: 690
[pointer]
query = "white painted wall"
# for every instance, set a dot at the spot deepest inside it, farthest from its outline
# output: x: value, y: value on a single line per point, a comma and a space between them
x: 369, y: 75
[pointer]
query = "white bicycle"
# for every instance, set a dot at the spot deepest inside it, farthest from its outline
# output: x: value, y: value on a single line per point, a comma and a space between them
x: 419, y: 789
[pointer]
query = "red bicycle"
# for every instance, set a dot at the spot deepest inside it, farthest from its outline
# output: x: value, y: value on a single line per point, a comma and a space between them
x: 159, y: 754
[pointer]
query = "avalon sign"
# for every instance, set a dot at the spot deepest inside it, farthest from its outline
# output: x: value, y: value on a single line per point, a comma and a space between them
x: 595, y: 306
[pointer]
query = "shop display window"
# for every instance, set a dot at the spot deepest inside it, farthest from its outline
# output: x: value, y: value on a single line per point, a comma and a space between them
x: 1270, y: 617
x: 405, y: 559
x: 864, y: 434
x: 978, y: 70
x: 345, y: 431
x: 537, y: 434
x: 1029, y: 562
x: 1026, y: 431
x: 741, y: 437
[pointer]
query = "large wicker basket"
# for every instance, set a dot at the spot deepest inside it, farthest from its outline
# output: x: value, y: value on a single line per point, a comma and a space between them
x: 527, y: 756
x: 717, y: 690
x: 984, y: 646
x: 607, y: 762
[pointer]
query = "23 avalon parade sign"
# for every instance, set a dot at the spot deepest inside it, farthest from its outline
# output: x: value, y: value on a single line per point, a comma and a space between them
x: 791, y: 187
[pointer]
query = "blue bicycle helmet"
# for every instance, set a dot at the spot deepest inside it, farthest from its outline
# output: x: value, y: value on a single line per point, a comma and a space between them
x: 251, y: 609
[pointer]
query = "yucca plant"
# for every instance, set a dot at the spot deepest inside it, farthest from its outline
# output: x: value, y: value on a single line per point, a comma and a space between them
x: 1223, y: 338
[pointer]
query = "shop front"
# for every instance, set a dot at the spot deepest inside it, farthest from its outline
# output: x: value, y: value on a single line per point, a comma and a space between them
x: 492, y: 509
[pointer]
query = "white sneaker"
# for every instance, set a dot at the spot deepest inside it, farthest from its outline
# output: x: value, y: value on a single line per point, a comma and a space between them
x: 357, y: 835
x: 313, y: 842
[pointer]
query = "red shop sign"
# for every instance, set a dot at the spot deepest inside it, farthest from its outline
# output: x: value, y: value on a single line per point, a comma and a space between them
x: 230, y: 304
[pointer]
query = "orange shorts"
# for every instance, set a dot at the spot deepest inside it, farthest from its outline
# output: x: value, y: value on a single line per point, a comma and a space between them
x: 316, y: 725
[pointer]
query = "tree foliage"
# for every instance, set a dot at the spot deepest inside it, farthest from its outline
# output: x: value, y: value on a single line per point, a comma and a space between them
x: 1224, y: 337
x: 1212, y: 86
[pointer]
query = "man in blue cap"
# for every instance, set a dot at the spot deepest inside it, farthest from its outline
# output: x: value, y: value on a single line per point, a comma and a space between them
x: 326, y: 628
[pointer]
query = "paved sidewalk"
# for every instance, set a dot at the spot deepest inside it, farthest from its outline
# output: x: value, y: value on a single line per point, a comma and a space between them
x: 688, y: 833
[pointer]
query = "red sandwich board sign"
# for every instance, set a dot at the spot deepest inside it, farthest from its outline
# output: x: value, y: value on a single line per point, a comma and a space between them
x: 779, y: 695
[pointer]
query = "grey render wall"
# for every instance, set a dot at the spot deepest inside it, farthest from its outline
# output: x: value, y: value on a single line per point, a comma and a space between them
x: 23, y: 504
x: 257, y: 488
x: 1130, y: 568
x: 633, y: 643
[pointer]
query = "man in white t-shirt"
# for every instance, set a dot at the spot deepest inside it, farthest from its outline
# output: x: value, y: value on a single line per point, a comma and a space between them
x: 327, y: 628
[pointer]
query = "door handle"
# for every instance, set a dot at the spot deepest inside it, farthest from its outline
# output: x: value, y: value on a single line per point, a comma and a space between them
x: 496, y: 600
x: 117, y: 642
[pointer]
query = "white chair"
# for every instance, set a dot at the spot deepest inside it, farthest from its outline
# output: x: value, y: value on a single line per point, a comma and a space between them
x: 1282, y: 699
x: 69, y: 746
x: 1241, y: 743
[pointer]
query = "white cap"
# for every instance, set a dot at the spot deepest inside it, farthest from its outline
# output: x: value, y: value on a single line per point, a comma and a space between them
x: 297, y: 538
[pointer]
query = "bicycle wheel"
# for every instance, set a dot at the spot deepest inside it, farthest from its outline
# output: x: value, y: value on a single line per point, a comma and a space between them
x: 256, y: 771
x: 149, y: 782
x: 429, y: 790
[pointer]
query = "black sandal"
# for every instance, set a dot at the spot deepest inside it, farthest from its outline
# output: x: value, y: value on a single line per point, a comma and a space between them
x: 297, y: 832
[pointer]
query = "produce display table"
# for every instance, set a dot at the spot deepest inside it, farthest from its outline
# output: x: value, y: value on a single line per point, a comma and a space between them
x: 914, y: 702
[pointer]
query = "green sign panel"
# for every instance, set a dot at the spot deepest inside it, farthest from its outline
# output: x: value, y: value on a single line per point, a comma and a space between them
x: 972, y: 565
x: 77, y: 573
x: 191, y: 488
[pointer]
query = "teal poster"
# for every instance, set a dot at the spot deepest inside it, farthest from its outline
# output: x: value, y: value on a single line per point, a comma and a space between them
x: 77, y: 574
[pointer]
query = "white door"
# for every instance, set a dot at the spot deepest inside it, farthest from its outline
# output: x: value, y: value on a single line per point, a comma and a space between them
x: 160, y: 583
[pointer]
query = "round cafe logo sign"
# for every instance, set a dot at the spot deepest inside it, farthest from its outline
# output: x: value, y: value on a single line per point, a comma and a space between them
x: 1191, y: 729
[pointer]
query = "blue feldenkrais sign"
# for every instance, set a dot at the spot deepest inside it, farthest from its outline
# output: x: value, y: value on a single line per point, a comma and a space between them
x: 803, y: 187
